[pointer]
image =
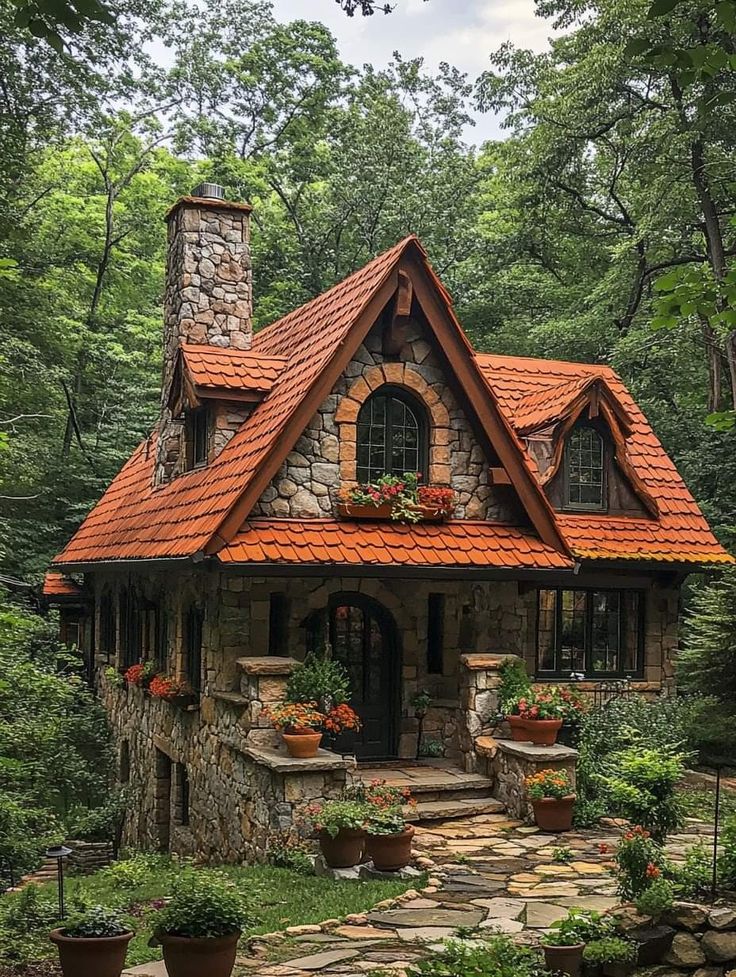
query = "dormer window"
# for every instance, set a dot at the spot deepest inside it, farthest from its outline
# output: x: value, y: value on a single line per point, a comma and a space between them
x: 197, y: 435
x: 585, y: 469
x: 392, y: 435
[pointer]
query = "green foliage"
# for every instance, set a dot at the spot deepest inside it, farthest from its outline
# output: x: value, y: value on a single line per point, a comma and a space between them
x: 334, y: 816
x: 610, y: 949
x: 562, y: 855
x: 25, y: 921
x: 102, y: 823
x: 514, y: 682
x: 579, y: 926
x: 656, y: 899
x: 385, y: 821
x: 611, y: 779
x: 96, y: 922
x: 642, y: 788
x: 319, y: 679
x: 727, y: 857
x: 204, y: 906
x: 694, y: 878
x: 498, y: 956
x: 133, y: 872
x: 430, y: 747
x: 286, y: 852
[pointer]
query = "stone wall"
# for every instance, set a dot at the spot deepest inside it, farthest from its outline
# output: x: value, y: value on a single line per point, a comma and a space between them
x: 208, y: 297
x: 324, y: 458
x: 508, y: 764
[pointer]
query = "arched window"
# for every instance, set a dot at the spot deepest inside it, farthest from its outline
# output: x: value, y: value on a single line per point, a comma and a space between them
x: 392, y: 435
x: 585, y: 469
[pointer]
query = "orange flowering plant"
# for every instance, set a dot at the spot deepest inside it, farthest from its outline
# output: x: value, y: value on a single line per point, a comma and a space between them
x: 549, y: 783
x: 140, y: 674
x: 640, y: 861
x: 340, y: 718
x: 293, y: 717
x: 165, y: 687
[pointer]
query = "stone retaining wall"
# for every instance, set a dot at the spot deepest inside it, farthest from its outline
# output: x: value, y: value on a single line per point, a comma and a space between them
x: 89, y: 856
x: 509, y: 763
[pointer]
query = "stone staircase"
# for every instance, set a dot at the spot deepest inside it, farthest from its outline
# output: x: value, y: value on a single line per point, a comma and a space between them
x: 441, y: 790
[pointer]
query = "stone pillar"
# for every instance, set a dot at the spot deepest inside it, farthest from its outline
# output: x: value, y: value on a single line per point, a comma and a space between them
x: 263, y: 683
x: 479, y: 682
x: 208, y: 296
x: 508, y: 764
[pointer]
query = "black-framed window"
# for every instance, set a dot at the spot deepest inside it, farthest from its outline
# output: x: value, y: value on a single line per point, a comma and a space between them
x: 197, y: 434
x: 585, y: 470
x: 107, y: 625
x: 392, y: 435
x: 278, y: 623
x: 193, y: 633
x: 130, y: 627
x: 595, y: 633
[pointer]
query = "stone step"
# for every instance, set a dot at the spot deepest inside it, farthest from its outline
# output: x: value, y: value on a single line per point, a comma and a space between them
x: 456, y: 807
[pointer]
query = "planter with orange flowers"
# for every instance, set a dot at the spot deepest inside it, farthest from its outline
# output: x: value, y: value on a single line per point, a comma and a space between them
x: 552, y: 798
x: 171, y: 690
x: 300, y: 724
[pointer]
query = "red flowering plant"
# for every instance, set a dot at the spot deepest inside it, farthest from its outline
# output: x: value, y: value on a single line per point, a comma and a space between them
x: 639, y: 860
x: 546, y: 702
x: 404, y: 495
x: 140, y: 674
x: 385, y: 805
x: 340, y: 718
x: 165, y: 687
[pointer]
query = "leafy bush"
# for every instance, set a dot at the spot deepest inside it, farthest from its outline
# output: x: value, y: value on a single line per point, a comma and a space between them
x: 319, y: 679
x: 285, y: 852
x: 204, y: 906
x: 23, y: 917
x: 693, y: 879
x: 25, y: 832
x: 130, y: 873
x: 639, y: 862
x: 610, y: 949
x: 579, y: 926
x: 641, y: 787
x: 621, y: 729
x: 656, y: 899
x: 496, y: 957
x: 102, y: 823
x: 727, y: 857
x: 514, y: 683
x: 95, y: 923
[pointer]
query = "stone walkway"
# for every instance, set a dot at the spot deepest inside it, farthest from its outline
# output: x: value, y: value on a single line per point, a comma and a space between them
x: 486, y: 873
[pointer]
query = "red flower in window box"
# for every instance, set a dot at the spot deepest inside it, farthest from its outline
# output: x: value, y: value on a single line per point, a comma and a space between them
x: 397, y: 497
x: 169, y: 689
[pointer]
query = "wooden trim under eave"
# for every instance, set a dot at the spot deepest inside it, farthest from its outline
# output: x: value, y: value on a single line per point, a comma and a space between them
x: 299, y: 419
x: 505, y: 442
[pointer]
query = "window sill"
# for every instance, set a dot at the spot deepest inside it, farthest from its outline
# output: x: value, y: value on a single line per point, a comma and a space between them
x: 382, y: 513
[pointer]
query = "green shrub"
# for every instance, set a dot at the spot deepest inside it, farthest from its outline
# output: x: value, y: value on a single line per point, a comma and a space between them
x: 495, y: 957
x: 95, y: 923
x: 579, y: 926
x: 639, y: 862
x: 514, y: 682
x: 641, y: 787
x: 727, y: 857
x: 694, y: 878
x: 319, y: 679
x: 204, y: 906
x: 610, y: 949
x: 101, y: 823
x: 706, y: 664
x: 285, y: 852
x: 131, y: 873
x: 656, y: 899
x: 25, y: 921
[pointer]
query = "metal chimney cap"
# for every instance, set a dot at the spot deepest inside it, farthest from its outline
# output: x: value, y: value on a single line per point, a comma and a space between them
x: 212, y: 190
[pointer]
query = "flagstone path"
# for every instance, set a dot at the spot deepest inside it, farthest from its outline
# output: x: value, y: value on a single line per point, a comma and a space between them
x: 486, y: 874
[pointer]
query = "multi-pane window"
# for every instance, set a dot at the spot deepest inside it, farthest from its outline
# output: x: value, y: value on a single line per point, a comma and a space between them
x: 585, y: 469
x: 193, y: 631
x: 590, y: 632
x: 196, y: 432
x: 107, y: 626
x: 392, y: 436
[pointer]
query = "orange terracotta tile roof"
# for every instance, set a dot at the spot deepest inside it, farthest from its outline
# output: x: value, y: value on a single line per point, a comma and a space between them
x: 459, y: 543
x: 231, y: 369
x: 680, y: 534
x: 59, y: 585
x: 134, y: 520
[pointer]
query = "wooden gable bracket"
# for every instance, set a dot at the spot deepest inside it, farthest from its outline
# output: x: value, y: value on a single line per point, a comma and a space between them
x: 394, y: 335
x: 182, y: 392
x: 499, y: 476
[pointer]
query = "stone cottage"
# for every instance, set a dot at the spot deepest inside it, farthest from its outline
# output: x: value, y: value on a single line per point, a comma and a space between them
x: 223, y: 550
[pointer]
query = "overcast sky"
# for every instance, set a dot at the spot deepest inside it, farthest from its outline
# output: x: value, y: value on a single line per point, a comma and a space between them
x: 461, y: 32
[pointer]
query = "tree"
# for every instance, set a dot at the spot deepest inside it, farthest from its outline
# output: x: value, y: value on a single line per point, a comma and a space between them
x: 52, y: 19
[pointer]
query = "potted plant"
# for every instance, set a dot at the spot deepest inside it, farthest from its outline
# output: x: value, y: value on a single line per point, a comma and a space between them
x: 340, y: 827
x: 552, y: 797
x: 300, y: 726
x: 140, y: 674
x: 171, y: 690
x: 563, y: 945
x: 93, y: 945
x: 537, y: 715
x: 199, y: 928
x: 613, y: 956
x: 389, y: 839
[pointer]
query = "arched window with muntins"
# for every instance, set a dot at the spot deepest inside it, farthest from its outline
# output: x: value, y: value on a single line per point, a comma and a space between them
x: 585, y: 469
x: 392, y: 435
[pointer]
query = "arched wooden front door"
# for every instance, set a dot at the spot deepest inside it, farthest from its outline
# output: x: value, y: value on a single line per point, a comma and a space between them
x: 363, y: 637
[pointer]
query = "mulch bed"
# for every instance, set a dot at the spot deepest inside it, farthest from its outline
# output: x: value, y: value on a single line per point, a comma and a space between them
x: 45, y: 968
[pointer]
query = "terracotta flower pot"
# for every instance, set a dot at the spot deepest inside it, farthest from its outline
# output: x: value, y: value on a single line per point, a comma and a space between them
x: 302, y: 745
x: 554, y: 814
x: 345, y: 849
x: 390, y: 852
x: 518, y: 728
x: 542, y: 732
x: 568, y: 959
x: 102, y: 956
x: 187, y: 956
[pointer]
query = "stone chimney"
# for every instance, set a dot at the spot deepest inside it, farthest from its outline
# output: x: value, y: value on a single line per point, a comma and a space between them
x: 209, y: 292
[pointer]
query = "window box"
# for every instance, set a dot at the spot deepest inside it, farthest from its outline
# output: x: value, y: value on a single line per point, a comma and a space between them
x: 380, y: 513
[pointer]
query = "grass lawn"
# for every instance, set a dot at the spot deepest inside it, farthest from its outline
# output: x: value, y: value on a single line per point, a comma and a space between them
x: 278, y: 897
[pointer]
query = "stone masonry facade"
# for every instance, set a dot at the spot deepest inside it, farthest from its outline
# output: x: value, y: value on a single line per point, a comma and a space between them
x: 239, y: 796
x: 324, y: 458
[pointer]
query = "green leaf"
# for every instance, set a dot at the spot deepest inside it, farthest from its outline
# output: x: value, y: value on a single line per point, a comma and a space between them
x: 722, y: 420
x: 661, y: 7
x: 636, y: 46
